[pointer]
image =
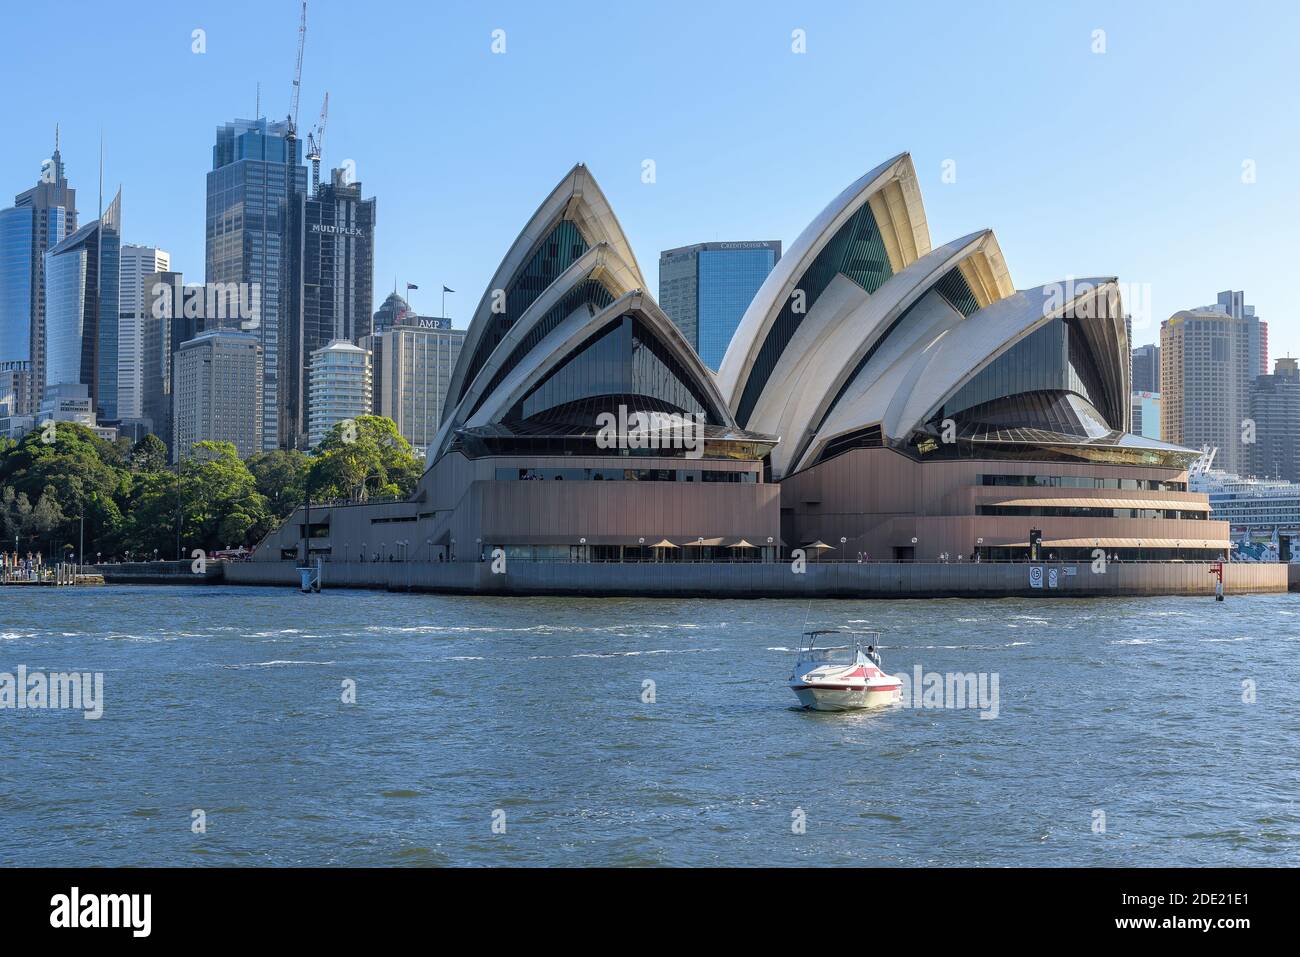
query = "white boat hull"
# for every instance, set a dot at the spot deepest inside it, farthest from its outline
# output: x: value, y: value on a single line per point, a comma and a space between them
x: 845, y: 699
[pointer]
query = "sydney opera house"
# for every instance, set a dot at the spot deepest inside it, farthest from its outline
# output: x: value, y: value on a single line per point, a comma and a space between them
x: 882, y: 399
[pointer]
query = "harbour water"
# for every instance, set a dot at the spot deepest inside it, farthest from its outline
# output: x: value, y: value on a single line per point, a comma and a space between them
x: 527, y: 731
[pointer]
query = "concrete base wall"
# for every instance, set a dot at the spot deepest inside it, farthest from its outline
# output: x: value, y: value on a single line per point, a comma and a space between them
x: 844, y: 580
x: 159, y: 573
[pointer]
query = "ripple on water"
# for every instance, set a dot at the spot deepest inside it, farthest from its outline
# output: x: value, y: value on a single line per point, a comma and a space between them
x: 1103, y: 705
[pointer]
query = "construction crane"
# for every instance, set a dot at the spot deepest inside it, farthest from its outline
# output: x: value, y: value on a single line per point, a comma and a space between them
x: 316, y: 142
x: 297, y: 72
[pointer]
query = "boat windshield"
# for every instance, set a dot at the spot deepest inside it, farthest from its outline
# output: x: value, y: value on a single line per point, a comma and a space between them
x: 836, y: 645
x: 843, y: 654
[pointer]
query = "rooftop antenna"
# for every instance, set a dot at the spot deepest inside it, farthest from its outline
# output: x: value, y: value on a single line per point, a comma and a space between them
x: 257, y: 108
x: 57, y: 158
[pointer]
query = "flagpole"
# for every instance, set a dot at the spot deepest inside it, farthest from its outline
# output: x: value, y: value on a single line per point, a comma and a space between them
x: 410, y: 304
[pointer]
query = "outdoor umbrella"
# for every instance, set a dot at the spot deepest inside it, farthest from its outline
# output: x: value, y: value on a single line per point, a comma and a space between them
x: 818, y: 546
x: 743, y: 544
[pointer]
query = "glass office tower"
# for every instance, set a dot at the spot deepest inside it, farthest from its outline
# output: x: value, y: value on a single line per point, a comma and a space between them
x: 109, y: 309
x: 166, y: 328
x: 82, y: 310
x: 706, y: 288
x: 15, y: 284
x: 1146, y: 368
x: 40, y: 219
x: 338, y: 279
x: 255, y: 196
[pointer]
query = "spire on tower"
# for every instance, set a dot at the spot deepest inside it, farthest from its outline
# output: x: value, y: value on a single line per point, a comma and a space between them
x: 57, y: 158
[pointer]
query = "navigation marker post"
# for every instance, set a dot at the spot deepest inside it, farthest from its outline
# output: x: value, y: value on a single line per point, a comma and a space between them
x: 309, y: 575
x: 1217, y: 571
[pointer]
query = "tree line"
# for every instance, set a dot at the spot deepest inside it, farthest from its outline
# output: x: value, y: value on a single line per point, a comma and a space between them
x: 62, y: 487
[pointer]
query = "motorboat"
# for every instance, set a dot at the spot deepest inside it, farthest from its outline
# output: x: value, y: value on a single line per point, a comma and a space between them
x: 838, y: 670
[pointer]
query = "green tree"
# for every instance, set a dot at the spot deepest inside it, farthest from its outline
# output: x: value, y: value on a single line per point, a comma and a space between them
x: 151, y: 512
x: 45, y: 517
x: 72, y: 476
x: 148, y: 455
x: 130, y: 502
x: 281, y: 477
x: 219, y: 501
x: 362, y: 457
x: 33, y: 527
x: 15, y: 513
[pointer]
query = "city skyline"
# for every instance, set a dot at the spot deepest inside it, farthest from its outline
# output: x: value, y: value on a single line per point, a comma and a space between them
x: 744, y: 434
x: 1144, y: 102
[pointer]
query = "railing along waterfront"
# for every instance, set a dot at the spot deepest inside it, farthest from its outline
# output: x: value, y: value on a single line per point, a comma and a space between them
x: 785, y: 560
x: 59, y: 574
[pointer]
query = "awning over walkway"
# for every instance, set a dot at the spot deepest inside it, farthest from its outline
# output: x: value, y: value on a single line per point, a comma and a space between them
x: 1221, y: 543
x: 1102, y: 503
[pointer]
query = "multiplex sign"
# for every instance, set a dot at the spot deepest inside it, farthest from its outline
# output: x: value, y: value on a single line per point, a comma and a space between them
x: 336, y: 230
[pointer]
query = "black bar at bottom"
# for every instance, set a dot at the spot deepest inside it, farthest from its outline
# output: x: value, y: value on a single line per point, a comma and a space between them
x: 298, y: 906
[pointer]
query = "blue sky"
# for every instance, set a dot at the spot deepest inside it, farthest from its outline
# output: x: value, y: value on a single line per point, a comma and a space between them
x: 1125, y: 163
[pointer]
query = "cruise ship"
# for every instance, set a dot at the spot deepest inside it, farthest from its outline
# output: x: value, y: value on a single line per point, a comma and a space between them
x: 1263, y: 514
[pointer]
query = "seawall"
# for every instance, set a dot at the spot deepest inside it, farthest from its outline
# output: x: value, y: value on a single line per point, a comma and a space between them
x: 160, y: 573
x: 754, y: 580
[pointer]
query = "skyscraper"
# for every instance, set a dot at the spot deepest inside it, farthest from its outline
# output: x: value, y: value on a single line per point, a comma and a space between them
x: 706, y: 288
x: 341, y: 387
x: 39, y: 219
x: 218, y: 392
x: 139, y: 263
x: 16, y: 320
x: 412, y: 362
x: 1208, y: 361
x: 337, y: 289
x: 255, y: 196
x: 1146, y: 368
x: 166, y: 327
x: 82, y: 310
x: 1275, y: 409
x: 1234, y: 304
